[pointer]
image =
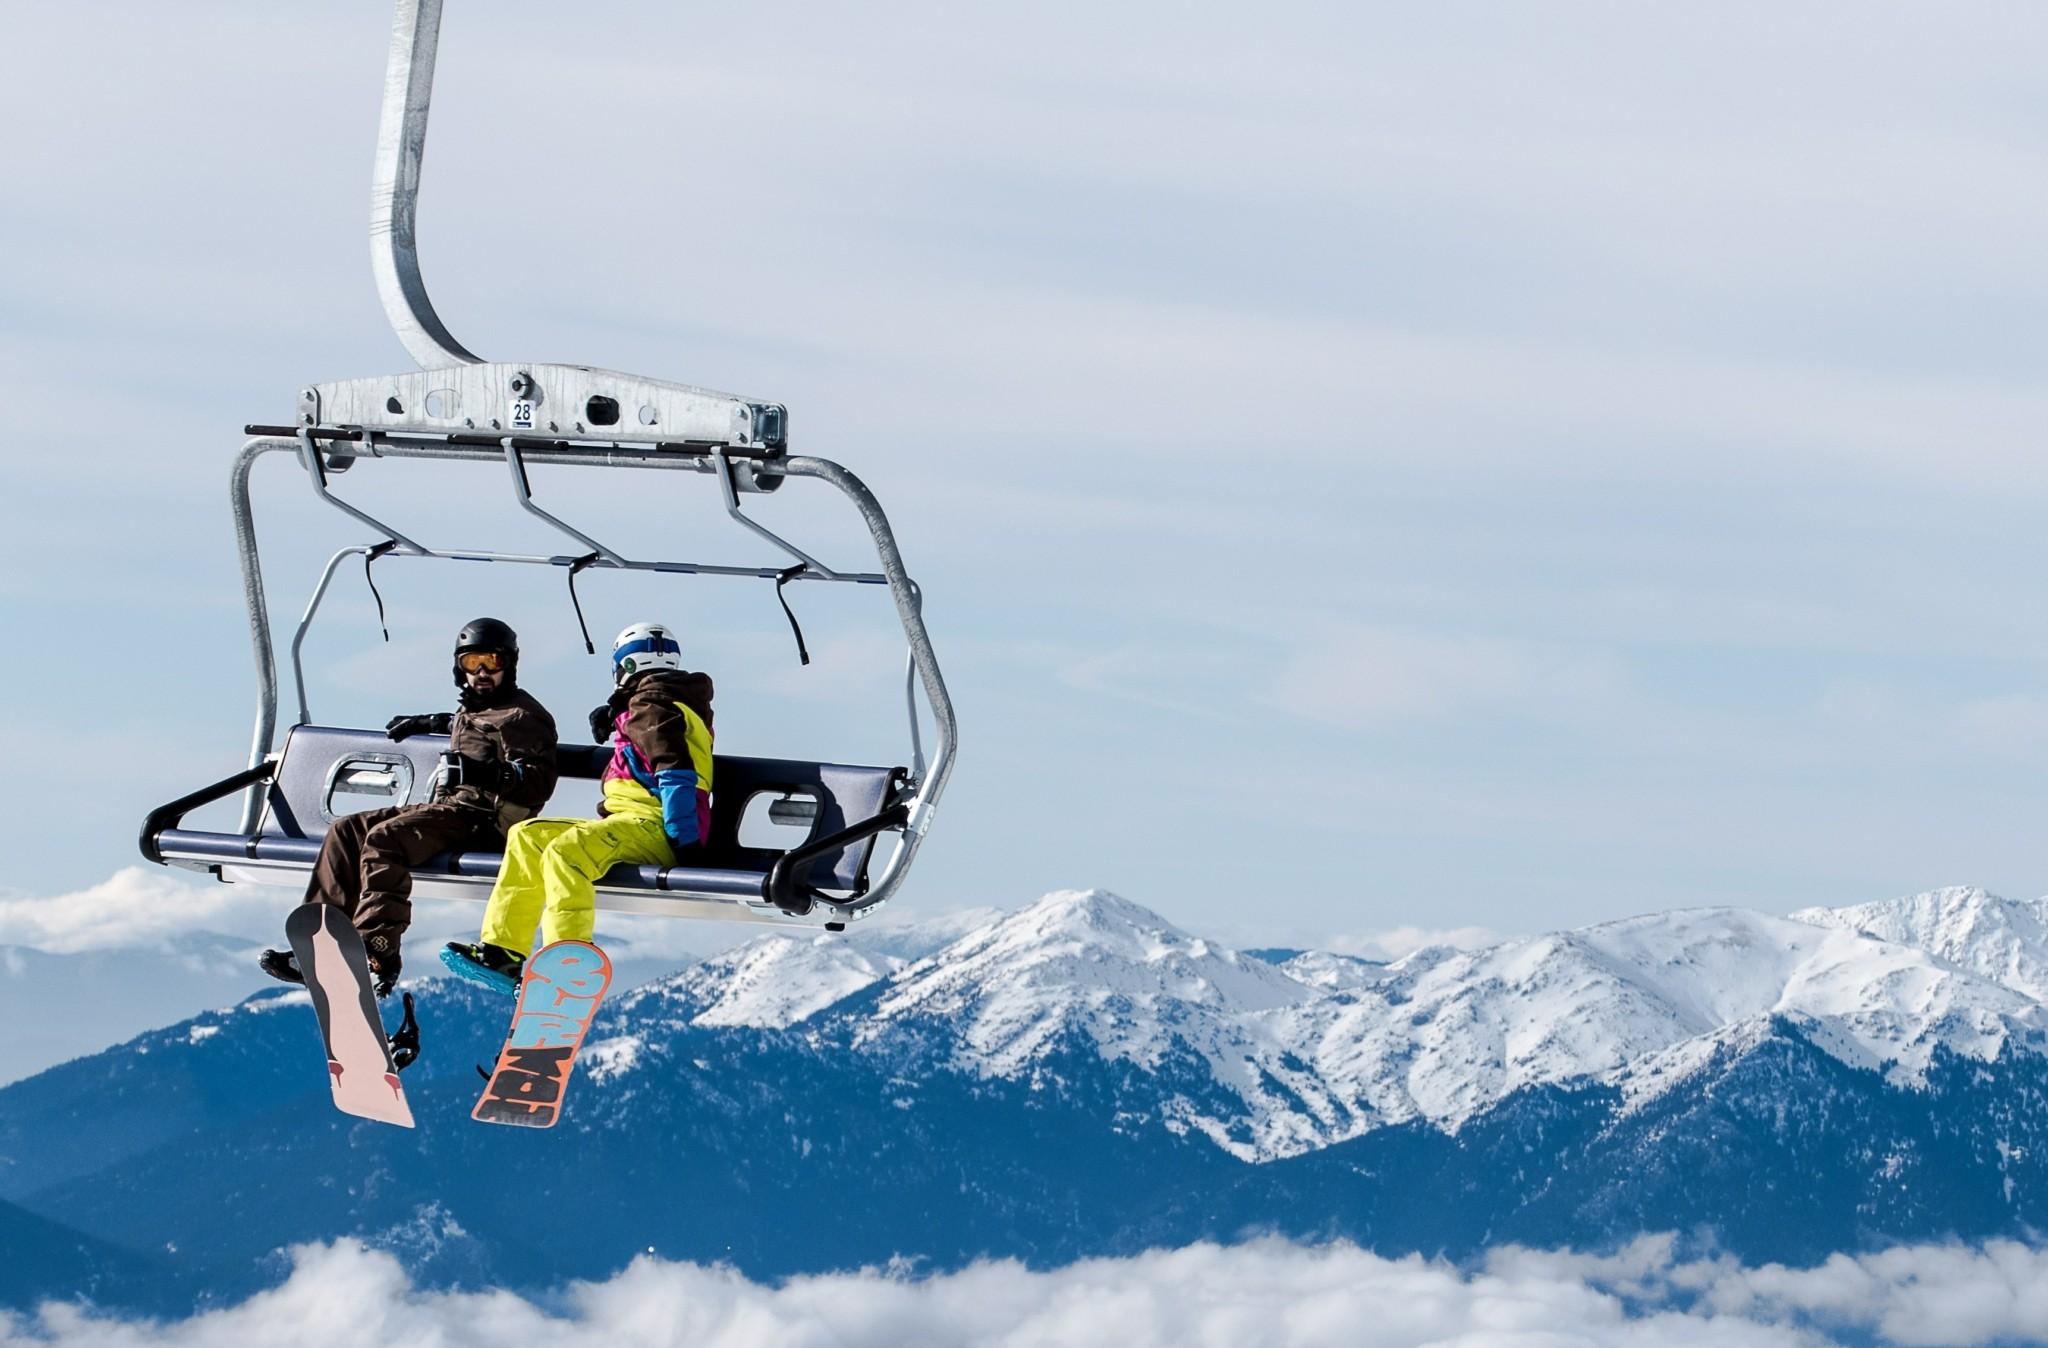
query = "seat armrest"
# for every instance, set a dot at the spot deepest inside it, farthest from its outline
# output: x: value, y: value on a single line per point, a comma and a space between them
x: 171, y: 815
x: 793, y: 896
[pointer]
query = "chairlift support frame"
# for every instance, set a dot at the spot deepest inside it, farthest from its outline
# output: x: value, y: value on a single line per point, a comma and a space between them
x: 458, y: 407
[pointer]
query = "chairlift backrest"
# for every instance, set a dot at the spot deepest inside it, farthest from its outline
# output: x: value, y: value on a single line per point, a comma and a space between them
x: 323, y: 766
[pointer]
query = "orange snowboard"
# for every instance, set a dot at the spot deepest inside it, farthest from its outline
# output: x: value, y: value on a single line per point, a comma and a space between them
x: 559, y: 994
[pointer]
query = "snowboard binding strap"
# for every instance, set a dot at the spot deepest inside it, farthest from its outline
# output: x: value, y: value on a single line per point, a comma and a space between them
x: 405, y: 1041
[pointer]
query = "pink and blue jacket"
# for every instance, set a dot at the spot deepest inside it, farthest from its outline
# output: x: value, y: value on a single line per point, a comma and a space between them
x: 661, y: 754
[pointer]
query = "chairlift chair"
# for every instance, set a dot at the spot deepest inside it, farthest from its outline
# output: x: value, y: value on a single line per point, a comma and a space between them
x: 460, y: 408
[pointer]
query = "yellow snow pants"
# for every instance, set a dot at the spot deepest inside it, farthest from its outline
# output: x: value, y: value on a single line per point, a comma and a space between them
x: 550, y: 874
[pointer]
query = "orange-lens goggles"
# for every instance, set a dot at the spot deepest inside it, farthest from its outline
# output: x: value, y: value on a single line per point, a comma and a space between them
x: 471, y: 661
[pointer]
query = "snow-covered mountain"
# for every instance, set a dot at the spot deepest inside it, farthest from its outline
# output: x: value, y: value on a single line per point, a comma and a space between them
x: 1329, y: 971
x: 1637, y: 1004
x: 1280, y: 1059
x: 2003, y: 940
x: 775, y: 981
x: 769, y: 982
x: 1082, y: 1076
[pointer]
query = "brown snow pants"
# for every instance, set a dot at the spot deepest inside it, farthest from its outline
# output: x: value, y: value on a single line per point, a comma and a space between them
x: 366, y: 861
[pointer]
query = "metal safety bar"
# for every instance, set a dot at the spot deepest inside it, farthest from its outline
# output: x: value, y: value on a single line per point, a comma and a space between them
x: 306, y: 622
x: 910, y: 700
x: 812, y: 566
x: 522, y: 488
x: 316, y: 473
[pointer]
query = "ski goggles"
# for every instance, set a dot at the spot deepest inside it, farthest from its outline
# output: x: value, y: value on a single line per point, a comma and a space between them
x: 469, y: 662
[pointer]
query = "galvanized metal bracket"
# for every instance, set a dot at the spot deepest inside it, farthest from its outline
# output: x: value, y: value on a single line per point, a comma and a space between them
x: 575, y: 402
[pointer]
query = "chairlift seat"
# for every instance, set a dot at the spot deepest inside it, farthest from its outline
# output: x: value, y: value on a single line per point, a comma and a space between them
x: 326, y: 772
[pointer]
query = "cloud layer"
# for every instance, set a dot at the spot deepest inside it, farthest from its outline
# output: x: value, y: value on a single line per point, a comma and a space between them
x: 140, y: 909
x: 1395, y: 942
x: 134, y: 909
x: 1265, y: 1292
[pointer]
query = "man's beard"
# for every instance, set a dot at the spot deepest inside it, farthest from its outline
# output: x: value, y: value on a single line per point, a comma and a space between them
x: 472, y: 696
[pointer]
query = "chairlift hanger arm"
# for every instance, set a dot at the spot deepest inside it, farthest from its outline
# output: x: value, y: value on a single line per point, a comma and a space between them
x: 395, y: 188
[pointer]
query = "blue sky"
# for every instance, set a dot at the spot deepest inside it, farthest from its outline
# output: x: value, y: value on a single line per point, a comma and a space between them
x: 1368, y: 468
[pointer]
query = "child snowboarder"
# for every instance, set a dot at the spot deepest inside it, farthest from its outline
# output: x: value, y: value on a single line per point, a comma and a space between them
x: 657, y: 802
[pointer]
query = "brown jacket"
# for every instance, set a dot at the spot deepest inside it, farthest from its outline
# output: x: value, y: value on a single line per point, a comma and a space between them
x: 653, y: 722
x: 665, y: 722
x: 517, y: 729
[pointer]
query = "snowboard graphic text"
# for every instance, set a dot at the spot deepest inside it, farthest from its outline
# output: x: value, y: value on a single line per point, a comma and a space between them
x: 557, y: 997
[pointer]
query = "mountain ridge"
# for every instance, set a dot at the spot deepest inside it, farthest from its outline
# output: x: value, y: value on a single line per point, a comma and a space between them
x: 1438, y: 1035
x: 1083, y: 1077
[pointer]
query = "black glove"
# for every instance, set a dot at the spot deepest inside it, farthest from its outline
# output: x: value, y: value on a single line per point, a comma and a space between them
x: 601, y: 723
x: 384, y: 963
x: 485, y: 774
x: 434, y: 723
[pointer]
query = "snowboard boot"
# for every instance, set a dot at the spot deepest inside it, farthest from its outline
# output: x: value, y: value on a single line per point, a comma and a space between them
x: 280, y: 964
x: 490, y: 966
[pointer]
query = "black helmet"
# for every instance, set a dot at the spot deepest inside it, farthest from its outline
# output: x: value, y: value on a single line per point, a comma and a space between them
x: 487, y: 634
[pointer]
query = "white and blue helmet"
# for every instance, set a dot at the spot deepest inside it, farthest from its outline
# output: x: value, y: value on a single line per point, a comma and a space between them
x: 642, y: 647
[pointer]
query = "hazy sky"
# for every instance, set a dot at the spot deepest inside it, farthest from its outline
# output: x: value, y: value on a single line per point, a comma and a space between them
x: 1368, y: 465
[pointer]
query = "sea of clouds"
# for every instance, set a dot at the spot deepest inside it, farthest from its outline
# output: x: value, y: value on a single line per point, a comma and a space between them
x: 1264, y: 1292
x: 143, y: 909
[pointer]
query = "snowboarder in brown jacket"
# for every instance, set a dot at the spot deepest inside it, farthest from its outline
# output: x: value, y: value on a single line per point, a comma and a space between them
x: 499, y: 769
